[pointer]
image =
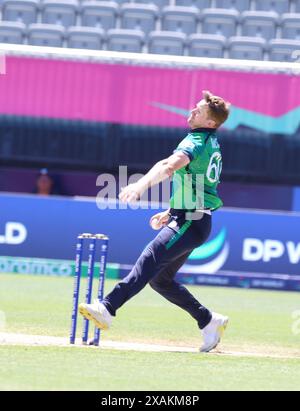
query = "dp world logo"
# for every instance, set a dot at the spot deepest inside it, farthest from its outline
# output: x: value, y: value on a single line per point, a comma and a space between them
x: 209, y: 257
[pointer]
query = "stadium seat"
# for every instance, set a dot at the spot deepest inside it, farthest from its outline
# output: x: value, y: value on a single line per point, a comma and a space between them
x: 181, y: 19
x: 139, y: 16
x: 246, y: 48
x: 206, y: 45
x: 259, y: 24
x: 85, y: 37
x: 280, y: 6
x: 284, y: 50
x: 200, y: 4
x: 220, y: 21
x: 166, y: 42
x: 12, y: 32
x: 240, y: 5
x: 290, y: 26
x: 158, y: 3
x: 46, y: 35
x: 125, y: 40
x: 102, y: 14
x: 20, y: 10
x: 62, y: 12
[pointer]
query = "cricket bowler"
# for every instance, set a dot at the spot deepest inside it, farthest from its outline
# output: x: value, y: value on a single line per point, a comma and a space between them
x: 182, y: 227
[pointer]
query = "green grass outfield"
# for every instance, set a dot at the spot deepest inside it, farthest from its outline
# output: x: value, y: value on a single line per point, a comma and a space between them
x: 260, y: 322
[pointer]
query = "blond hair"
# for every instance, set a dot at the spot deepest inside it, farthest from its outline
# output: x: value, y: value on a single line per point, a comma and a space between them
x: 218, y: 108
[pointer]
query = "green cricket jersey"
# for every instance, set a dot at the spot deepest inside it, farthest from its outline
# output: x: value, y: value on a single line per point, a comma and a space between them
x: 195, y: 186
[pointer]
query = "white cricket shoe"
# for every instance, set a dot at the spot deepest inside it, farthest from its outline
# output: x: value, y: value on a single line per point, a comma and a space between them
x: 97, y: 313
x: 213, y: 332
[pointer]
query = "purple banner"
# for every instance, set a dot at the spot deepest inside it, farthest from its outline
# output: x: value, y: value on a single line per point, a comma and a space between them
x: 145, y: 95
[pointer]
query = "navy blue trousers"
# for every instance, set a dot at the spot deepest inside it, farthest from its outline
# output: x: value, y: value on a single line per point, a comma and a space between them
x: 159, y: 263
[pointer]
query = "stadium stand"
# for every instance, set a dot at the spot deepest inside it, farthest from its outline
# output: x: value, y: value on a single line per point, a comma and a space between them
x: 45, y: 35
x: 220, y: 21
x: 139, y: 16
x: 159, y: 3
x: 251, y: 29
x: 166, y: 42
x: 20, y: 10
x: 291, y: 26
x: 283, y: 50
x: 259, y: 23
x: 12, y: 32
x: 62, y: 13
x: 122, y: 1
x: 206, y: 45
x: 246, y: 48
x: 240, y: 5
x: 99, y: 14
x: 125, y: 40
x: 279, y: 6
x: 85, y: 37
x: 180, y: 19
x: 200, y: 4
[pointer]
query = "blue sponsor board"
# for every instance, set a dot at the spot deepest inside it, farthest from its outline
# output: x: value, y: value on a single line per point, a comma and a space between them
x: 296, y: 199
x: 246, y: 280
x: 257, y: 241
x: 233, y: 279
x: 241, y: 241
x: 47, y: 227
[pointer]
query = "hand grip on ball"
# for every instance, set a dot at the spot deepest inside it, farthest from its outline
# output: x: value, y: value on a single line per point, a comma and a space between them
x: 155, y: 224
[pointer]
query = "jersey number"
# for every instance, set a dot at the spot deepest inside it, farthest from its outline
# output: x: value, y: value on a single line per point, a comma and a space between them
x: 214, y: 168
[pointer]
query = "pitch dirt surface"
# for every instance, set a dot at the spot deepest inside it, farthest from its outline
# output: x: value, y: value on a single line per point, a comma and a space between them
x: 46, y: 341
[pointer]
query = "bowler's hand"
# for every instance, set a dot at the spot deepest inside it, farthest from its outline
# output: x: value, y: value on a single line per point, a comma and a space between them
x: 130, y: 193
x: 159, y: 220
